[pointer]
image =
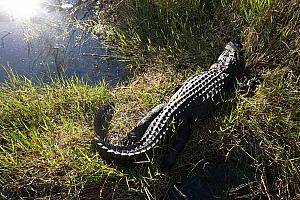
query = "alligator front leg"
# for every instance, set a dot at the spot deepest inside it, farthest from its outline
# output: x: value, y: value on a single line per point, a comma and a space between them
x: 137, y: 133
x: 181, y: 139
x: 250, y: 86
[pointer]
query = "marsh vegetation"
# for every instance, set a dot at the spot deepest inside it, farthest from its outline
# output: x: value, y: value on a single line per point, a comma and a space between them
x: 46, y: 129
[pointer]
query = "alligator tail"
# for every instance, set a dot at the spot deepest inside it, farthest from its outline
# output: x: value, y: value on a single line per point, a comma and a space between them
x: 110, y: 152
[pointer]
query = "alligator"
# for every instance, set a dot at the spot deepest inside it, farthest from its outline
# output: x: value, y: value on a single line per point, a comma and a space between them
x: 197, y: 97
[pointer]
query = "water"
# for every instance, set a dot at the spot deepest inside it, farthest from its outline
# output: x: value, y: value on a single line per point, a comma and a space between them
x: 48, y: 42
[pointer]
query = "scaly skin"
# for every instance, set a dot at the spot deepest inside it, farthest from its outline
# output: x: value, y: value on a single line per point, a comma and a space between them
x: 196, y: 97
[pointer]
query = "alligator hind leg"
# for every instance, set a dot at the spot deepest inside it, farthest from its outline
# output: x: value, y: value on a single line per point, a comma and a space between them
x: 137, y: 133
x: 181, y: 139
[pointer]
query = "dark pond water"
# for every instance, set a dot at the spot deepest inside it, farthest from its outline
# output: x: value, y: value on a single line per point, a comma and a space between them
x: 39, y: 39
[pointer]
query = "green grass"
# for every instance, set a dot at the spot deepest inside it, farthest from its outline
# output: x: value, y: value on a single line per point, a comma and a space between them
x: 264, y: 132
x: 45, y: 137
x: 260, y: 130
x: 46, y: 130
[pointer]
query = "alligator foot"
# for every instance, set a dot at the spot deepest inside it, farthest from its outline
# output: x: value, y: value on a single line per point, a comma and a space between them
x: 250, y: 86
x: 137, y: 133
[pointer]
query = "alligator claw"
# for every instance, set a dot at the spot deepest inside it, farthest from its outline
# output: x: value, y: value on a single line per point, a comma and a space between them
x: 251, y: 85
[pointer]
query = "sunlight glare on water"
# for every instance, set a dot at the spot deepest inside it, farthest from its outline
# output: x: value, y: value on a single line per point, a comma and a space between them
x: 21, y: 9
x: 41, y: 39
